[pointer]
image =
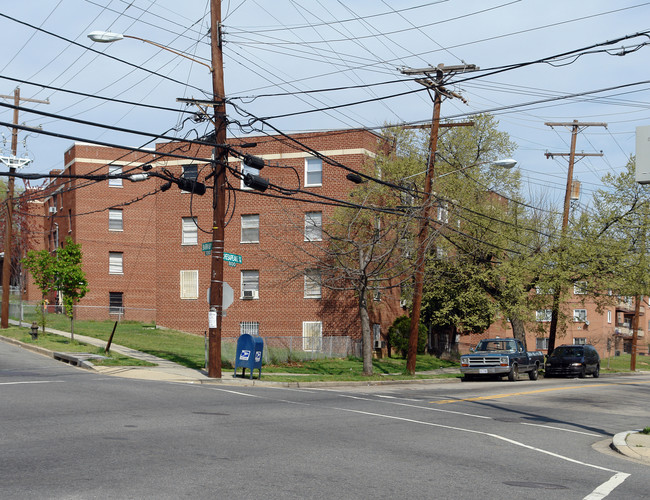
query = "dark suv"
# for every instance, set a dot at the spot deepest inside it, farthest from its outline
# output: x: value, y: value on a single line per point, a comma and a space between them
x: 573, y: 360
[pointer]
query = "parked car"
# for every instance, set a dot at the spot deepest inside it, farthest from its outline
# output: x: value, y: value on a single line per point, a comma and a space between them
x: 501, y: 357
x: 573, y: 360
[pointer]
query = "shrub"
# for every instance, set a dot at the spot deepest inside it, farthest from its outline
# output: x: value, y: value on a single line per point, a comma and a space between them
x: 398, y: 335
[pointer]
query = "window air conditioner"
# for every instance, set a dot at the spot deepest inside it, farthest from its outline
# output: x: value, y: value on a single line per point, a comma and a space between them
x: 250, y: 294
x: 52, y: 210
x: 379, y: 344
x: 403, y: 303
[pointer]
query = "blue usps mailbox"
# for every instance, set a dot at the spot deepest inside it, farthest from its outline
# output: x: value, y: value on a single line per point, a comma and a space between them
x: 249, y: 354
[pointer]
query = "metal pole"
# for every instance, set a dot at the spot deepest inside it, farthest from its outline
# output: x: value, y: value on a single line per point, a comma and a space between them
x: 218, y: 200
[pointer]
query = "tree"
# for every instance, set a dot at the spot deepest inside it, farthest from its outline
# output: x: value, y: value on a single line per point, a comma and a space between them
x: 70, y: 278
x: 41, y: 265
x: 59, y: 272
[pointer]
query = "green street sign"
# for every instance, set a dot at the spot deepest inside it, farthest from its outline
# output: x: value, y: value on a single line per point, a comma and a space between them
x: 232, y: 258
x: 206, y: 247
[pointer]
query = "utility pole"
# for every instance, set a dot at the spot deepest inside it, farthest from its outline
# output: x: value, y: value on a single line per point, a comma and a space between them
x: 219, y: 192
x: 6, y: 263
x: 576, y: 127
x: 434, y: 83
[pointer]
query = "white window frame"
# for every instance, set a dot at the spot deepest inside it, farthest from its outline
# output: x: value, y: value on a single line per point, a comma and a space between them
x: 580, y: 288
x: 313, y: 287
x: 245, y: 169
x: 115, y: 219
x: 115, y: 263
x: 250, y: 281
x: 114, y: 170
x: 579, y: 340
x: 543, y: 315
x: 113, y: 309
x: 313, y: 226
x: 541, y: 343
x: 249, y: 327
x: 250, y: 228
x: 189, y: 284
x: 580, y: 315
x: 312, y: 336
x: 189, y: 231
x: 313, y: 166
x: 609, y: 316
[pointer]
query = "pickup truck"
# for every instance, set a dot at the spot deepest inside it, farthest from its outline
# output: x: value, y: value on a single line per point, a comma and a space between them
x: 501, y: 357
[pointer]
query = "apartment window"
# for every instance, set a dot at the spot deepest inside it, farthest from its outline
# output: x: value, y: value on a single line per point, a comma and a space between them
x: 114, y: 170
x: 542, y: 344
x: 250, y: 228
x: 312, y: 284
x: 543, y: 315
x: 580, y: 315
x: 313, y: 226
x: 250, y: 284
x: 115, y: 222
x: 190, y: 172
x: 312, y: 335
x: 580, y: 288
x: 190, y: 285
x: 376, y: 334
x: 313, y: 172
x: 443, y: 213
x: 115, y: 303
x: 249, y: 327
x: 609, y: 316
x: 246, y: 169
x: 115, y: 263
x: 579, y: 340
x: 190, y: 231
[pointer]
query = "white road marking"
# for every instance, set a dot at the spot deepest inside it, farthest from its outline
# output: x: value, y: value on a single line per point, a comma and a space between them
x: 33, y: 382
x: 403, y: 399
x: 427, y: 408
x: 561, y: 429
x: 607, y: 487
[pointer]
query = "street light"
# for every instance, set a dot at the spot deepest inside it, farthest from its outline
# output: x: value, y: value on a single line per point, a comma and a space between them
x: 219, y: 170
x: 109, y: 37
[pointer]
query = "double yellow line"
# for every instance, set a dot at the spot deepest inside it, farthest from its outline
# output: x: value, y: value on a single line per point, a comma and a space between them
x: 525, y: 393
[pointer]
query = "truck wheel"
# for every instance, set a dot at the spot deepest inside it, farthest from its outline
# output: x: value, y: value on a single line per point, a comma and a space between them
x: 582, y: 373
x: 534, y: 375
x: 514, y: 373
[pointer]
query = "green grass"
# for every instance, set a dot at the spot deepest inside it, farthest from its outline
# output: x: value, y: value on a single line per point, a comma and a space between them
x: 58, y: 343
x: 646, y: 430
x: 189, y: 350
x: 622, y: 363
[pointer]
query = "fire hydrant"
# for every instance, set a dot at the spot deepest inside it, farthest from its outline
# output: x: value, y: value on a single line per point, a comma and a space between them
x: 34, y: 331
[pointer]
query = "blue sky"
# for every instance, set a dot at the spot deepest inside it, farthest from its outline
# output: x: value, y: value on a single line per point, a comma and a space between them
x: 283, y: 48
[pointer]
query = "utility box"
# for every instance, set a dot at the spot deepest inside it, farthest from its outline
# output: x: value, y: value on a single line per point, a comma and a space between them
x: 249, y: 354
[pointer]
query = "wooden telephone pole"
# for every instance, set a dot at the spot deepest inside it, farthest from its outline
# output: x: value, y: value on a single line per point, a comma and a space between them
x: 434, y: 81
x: 576, y: 127
x: 6, y: 263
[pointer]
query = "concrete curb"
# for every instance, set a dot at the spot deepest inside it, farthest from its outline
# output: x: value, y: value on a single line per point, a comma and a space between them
x: 621, y: 444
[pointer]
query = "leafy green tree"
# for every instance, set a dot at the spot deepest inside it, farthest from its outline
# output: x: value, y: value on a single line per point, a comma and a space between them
x: 41, y: 265
x: 61, y: 272
x: 398, y: 335
x: 70, y: 277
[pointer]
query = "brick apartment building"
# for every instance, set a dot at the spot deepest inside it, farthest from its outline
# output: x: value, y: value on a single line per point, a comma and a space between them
x: 609, y: 330
x: 142, y: 246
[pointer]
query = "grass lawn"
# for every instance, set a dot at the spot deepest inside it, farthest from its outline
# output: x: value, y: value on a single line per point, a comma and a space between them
x: 622, y: 363
x: 58, y: 343
x: 189, y: 350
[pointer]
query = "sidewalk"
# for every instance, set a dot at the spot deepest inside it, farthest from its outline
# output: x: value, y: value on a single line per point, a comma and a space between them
x: 633, y: 444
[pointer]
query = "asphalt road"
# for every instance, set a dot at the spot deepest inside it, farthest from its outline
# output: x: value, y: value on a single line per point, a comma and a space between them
x: 70, y: 433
